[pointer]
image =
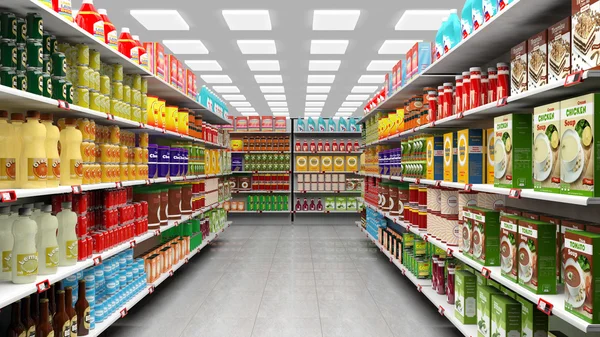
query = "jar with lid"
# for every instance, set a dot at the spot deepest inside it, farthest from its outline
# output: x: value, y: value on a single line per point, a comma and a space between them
x: 458, y: 94
x: 466, y: 91
x: 492, y: 85
x: 475, y: 85
x: 503, y: 80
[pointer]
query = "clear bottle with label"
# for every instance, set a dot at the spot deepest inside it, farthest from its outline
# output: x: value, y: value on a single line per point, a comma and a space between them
x: 17, y: 121
x: 52, y: 137
x: 67, y: 237
x: 61, y: 322
x: 70, y: 154
x: 33, y: 165
x: 47, y: 243
x: 7, y: 152
x: 6, y: 243
x: 24, y: 261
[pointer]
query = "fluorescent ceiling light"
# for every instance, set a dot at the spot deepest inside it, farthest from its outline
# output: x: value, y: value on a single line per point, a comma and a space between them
x: 277, y: 104
x: 381, y: 65
x: 318, y: 89
x: 347, y: 109
x: 247, y: 19
x: 343, y: 114
x: 280, y: 110
x: 268, y: 78
x: 312, y: 114
x: 234, y: 97
x: 335, y: 19
x: 313, y: 109
x: 240, y: 104
x: 315, y: 103
x: 396, y: 46
x: 272, y: 89
x: 249, y: 113
x: 257, y: 46
x: 324, y: 65
x: 216, y: 78
x: 371, y: 79
x: 245, y: 109
x: 203, y: 65
x: 347, y: 104
x: 321, y: 78
x: 357, y: 97
x: 422, y: 19
x: 226, y: 89
x: 328, y: 46
x: 281, y: 114
x: 266, y: 65
x: 316, y: 97
x: 275, y: 97
x: 159, y: 19
x: 187, y: 47
x: 364, y: 89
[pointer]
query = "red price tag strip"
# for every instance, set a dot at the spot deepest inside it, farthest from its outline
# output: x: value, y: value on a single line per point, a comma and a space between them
x: 449, y: 253
x: 76, y: 189
x: 123, y: 312
x: 502, y: 101
x: 545, y: 307
x: 63, y: 105
x: 97, y: 260
x: 486, y: 273
x: 468, y: 187
x: 441, y: 310
x: 514, y: 193
x: 132, y: 244
x: 170, y: 273
x: 42, y: 286
x: 574, y: 78
x: 151, y: 290
x: 437, y: 183
x: 8, y: 196
x: 420, y: 288
x: 157, y: 232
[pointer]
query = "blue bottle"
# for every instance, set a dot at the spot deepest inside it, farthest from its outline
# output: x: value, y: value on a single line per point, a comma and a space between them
x: 466, y: 19
x: 439, y: 40
x: 452, y: 31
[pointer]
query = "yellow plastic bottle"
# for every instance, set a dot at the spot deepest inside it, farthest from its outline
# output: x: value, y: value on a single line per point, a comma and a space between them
x: 52, y: 137
x: 17, y: 120
x: 7, y: 153
x: 33, y: 165
x: 70, y: 154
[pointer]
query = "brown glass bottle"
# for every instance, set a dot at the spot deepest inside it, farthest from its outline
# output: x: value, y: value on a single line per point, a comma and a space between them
x: 51, y: 304
x: 35, y: 308
x: 62, y: 323
x: 70, y: 311
x: 28, y: 322
x: 82, y: 307
x: 16, y: 328
x: 44, y: 328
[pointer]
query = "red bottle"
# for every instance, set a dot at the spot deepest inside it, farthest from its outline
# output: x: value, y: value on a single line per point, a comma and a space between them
x: 342, y: 146
x: 141, y: 52
x: 305, y: 205
x: 319, y: 205
x: 63, y: 8
x: 313, y: 146
x: 298, y: 146
x: 89, y: 19
x: 127, y: 46
x: 327, y: 146
x: 320, y: 146
x: 312, y: 206
x: 349, y: 146
x: 334, y: 146
x: 111, y: 36
x: 305, y: 146
x: 298, y: 205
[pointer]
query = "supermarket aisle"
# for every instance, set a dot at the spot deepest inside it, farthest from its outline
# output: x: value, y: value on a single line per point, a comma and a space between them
x: 279, y: 281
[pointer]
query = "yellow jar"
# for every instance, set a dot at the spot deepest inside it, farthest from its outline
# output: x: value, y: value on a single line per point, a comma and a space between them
x: 137, y: 155
x: 96, y: 101
x: 144, y: 156
x: 131, y: 171
x: 143, y: 139
x: 117, y: 90
x: 123, y: 154
x: 124, y: 172
x: 115, y: 134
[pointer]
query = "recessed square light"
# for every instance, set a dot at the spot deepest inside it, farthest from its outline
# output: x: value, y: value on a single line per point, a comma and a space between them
x: 234, y: 97
x: 257, y: 46
x: 281, y: 114
x: 313, y: 109
x: 240, y: 104
x: 328, y: 46
x: 275, y: 97
x: 247, y: 19
x: 364, y: 89
x: 268, y: 79
x: 245, y: 109
x: 396, y: 46
x: 321, y: 78
x: 381, y: 65
x: 216, y: 78
x: 343, y: 114
x: 347, y: 109
x: 348, y: 104
x: 187, y: 47
x: 276, y: 104
x: 335, y: 19
x: 371, y: 79
x: 315, y: 103
x: 357, y: 97
x: 249, y: 113
x: 203, y: 65
x: 324, y: 65
x: 226, y: 89
x: 312, y: 114
x: 160, y: 19
x: 280, y: 110
x: 422, y: 19
x: 263, y: 65
x: 316, y: 97
x: 318, y: 89
x: 272, y: 89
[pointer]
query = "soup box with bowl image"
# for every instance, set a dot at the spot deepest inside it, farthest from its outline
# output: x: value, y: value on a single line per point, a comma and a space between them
x: 484, y: 228
x: 536, y: 244
x: 578, y: 137
x: 546, y: 144
x: 512, y: 151
x: 509, y: 230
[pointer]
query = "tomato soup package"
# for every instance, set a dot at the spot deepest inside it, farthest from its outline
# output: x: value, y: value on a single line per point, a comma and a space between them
x: 537, y: 256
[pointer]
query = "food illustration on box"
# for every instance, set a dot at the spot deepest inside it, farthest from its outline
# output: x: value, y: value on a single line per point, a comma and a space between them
x: 585, y: 38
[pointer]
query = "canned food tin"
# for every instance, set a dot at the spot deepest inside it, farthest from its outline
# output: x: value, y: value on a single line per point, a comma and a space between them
x: 21, y: 31
x: 136, y: 97
x: 95, y: 101
x: 117, y: 90
x: 114, y: 103
x: 69, y: 89
x: 35, y: 81
x: 117, y: 72
x: 47, y: 82
x: 21, y: 81
x: 144, y: 115
x: 136, y: 113
x: 136, y: 81
x: 83, y: 54
x: 35, y: 53
x: 49, y: 44
x: 82, y: 76
x: 144, y: 86
x: 8, y: 53
x: 127, y: 94
x: 95, y: 59
x: 59, y: 64
x: 59, y: 88
x: 95, y: 80
x: 144, y: 101
x: 8, y: 77
x: 81, y: 97
x: 35, y: 26
x: 21, y: 58
x: 47, y: 65
x: 104, y: 85
x: 8, y: 25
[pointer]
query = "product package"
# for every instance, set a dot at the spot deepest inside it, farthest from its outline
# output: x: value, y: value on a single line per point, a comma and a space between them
x: 470, y: 156
x: 537, y: 256
x: 512, y: 151
x: 465, y: 297
x: 435, y: 158
x: 506, y: 316
x: 484, y: 309
x: 584, y: 36
x: 484, y: 227
x: 450, y: 160
x: 489, y: 154
x: 537, y: 60
x: 509, y: 232
x: 518, y: 68
x: 546, y: 160
x: 533, y: 321
x: 559, y: 50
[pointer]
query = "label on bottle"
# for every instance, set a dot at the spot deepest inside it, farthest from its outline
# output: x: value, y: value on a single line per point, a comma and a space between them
x: 27, y: 264
x: 87, y: 318
x: 51, y: 257
x: 112, y: 39
x: 66, y: 329
x: 8, y: 169
x: 37, y: 169
x: 99, y: 30
x: 144, y: 60
x: 31, y: 332
x: 135, y: 54
x: 76, y: 169
x: 6, y: 263
x: 74, y: 326
x: 65, y: 10
x: 54, y: 168
x: 23, y: 334
x: 50, y: 334
x: 71, y: 250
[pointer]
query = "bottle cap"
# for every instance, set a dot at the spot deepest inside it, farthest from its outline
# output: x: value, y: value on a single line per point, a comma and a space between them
x: 39, y: 205
x: 33, y: 114
x: 29, y: 205
x: 70, y: 121
x: 102, y: 11
x: 124, y: 30
x: 17, y: 117
x: 15, y: 208
x: 66, y: 204
x: 24, y: 211
x: 46, y: 116
x: 88, y: 2
x: 3, y: 114
x: 47, y: 209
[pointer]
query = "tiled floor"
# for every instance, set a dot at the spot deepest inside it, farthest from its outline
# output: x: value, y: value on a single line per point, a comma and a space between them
x: 280, y: 281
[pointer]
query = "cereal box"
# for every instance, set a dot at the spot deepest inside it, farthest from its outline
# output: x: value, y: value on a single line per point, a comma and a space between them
x: 470, y: 156
x: 484, y: 309
x: 512, y: 151
x: 314, y: 164
x: 434, y: 158
x: 489, y: 154
x: 506, y: 317
x: 585, y: 38
x: 465, y: 309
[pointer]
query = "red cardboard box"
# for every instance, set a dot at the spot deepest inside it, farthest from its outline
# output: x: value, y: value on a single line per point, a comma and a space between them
x: 280, y: 123
x: 241, y: 123
x: 156, y: 59
x: 254, y: 123
x: 397, y: 76
x: 189, y: 82
x: 180, y: 76
x: 171, y: 70
x: 266, y: 123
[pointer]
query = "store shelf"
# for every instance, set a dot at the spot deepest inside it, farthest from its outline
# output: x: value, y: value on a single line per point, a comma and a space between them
x: 329, y: 212
x: 328, y: 133
x: 256, y: 172
x: 110, y: 320
x: 259, y: 132
x: 258, y: 212
x: 327, y: 192
x: 347, y: 172
x: 262, y: 192
x: 328, y: 152
x: 278, y: 152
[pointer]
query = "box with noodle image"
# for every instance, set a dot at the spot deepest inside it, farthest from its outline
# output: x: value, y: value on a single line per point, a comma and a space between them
x: 512, y: 151
x: 546, y: 145
x: 585, y: 40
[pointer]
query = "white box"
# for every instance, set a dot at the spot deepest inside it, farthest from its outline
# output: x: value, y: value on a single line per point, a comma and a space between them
x: 301, y: 178
x: 327, y: 186
x: 327, y: 177
x: 321, y: 178
x: 300, y: 186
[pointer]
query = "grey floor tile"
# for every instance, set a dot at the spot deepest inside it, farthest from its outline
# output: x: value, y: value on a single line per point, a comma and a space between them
x: 220, y: 327
x: 287, y: 327
x: 229, y: 304
x: 355, y: 327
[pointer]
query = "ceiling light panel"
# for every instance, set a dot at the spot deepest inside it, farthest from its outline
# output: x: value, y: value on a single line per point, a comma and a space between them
x: 272, y: 89
x: 364, y: 89
x: 245, y: 109
x: 336, y: 47
x: 280, y: 110
x: 321, y: 78
x: 395, y: 47
x: 324, y: 65
x: 347, y: 109
x: 349, y: 104
x: 268, y: 79
x: 240, y: 104
x: 315, y: 103
x: 422, y: 19
x: 203, y: 65
x: 281, y: 114
x: 257, y: 47
x: 357, y: 97
x: 186, y: 47
x: 316, y: 97
x: 226, y: 89
x: 313, y: 109
x: 216, y: 78
x: 277, y: 104
x: 247, y: 19
x: 376, y: 79
x: 335, y: 19
x: 275, y: 97
x: 318, y: 89
x: 263, y: 65
x: 234, y: 97
x: 249, y: 114
x: 159, y: 19
x: 343, y: 114
x: 381, y: 65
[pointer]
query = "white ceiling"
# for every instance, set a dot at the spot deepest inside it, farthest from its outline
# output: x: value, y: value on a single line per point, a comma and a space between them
x: 271, y: 66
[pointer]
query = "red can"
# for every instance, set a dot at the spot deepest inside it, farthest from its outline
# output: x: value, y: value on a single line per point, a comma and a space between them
x: 459, y: 92
x: 475, y: 85
x: 81, y: 249
x: 89, y: 247
x: 503, y: 80
x: 492, y: 85
x: 466, y: 103
x: 82, y: 225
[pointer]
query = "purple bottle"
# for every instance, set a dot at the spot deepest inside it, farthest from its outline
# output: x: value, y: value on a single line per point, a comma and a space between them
x: 174, y: 163
x: 152, y: 160
x: 164, y: 157
x: 185, y: 160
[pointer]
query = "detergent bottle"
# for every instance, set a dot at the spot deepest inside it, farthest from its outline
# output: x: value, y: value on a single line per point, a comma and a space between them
x: 477, y: 13
x: 7, y: 152
x: 110, y: 32
x: 141, y: 52
x: 52, y: 137
x: 33, y: 165
x: 490, y: 8
x: 439, y: 40
x: 47, y: 243
x: 6, y: 243
x: 127, y: 45
x: 452, y: 32
x: 70, y: 154
x: 466, y: 19
x: 24, y: 260
x: 89, y: 19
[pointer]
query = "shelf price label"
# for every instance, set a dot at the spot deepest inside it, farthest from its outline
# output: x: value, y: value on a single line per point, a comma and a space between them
x: 118, y: 184
x: 151, y: 289
x: 460, y: 115
x: 123, y: 312
x: 502, y: 101
x: 187, y: 260
x: 441, y: 310
x: 171, y: 273
x: 545, y: 307
x: 157, y: 232
x: 97, y: 260
x: 468, y: 188
x: 449, y: 253
x: 8, y: 196
x: 110, y: 117
x: 43, y: 286
x: 574, y: 78
x: 63, y: 105
x: 514, y: 193
x: 437, y: 183
x: 420, y: 288
x: 132, y: 244
x: 417, y: 181
x: 486, y: 272
x: 76, y: 189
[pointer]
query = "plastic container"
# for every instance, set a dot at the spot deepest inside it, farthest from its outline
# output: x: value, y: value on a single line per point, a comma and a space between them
x: 67, y: 236
x: 33, y: 165
x: 89, y: 19
x: 111, y: 37
x: 6, y: 243
x: 47, y: 243
x: 51, y: 145
x: 477, y: 13
x: 466, y: 19
x: 70, y: 155
x: 7, y: 152
x: 439, y: 40
x: 490, y: 9
x: 143, y: 56
x: 24, y: 260
x: 452, y: 31
x: 127, y: 46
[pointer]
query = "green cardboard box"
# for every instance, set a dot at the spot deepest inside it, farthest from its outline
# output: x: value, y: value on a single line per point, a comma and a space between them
x: 330, y: 203
x: 340, y: 203
x: 484, y: 225
x: 465, y: 297
x: 506, y: 317
x: 509, y: 232
x: 537, y: 256
x: 512, y: 151
x: 351, y: 204
x: 484, y: 309
x: 533, y: 321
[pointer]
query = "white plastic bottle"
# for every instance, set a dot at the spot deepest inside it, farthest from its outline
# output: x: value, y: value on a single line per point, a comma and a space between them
x: 37, y: 212
x: 47, y: 243
x: 51, y: 145
x: 6, y: 243
x: 24, y: 261
x: 67, y: 237
x: 14, y: 212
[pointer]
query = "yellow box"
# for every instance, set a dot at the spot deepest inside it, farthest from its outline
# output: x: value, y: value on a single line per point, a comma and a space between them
x: 208, y: 162
x: 327, y: 163
x: 237, y: 145
x: 352, y: 163
x: 314, y: 164
x: 489, y: 154
x: 434, y: 158
x: 216, y: 166
x: 183, y: 122
x: 470, y: 163
x: 301, y: 163
x: 449, y: 140
x: 399, y: 120
x: 171, y: 117
x: 339, y: 164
